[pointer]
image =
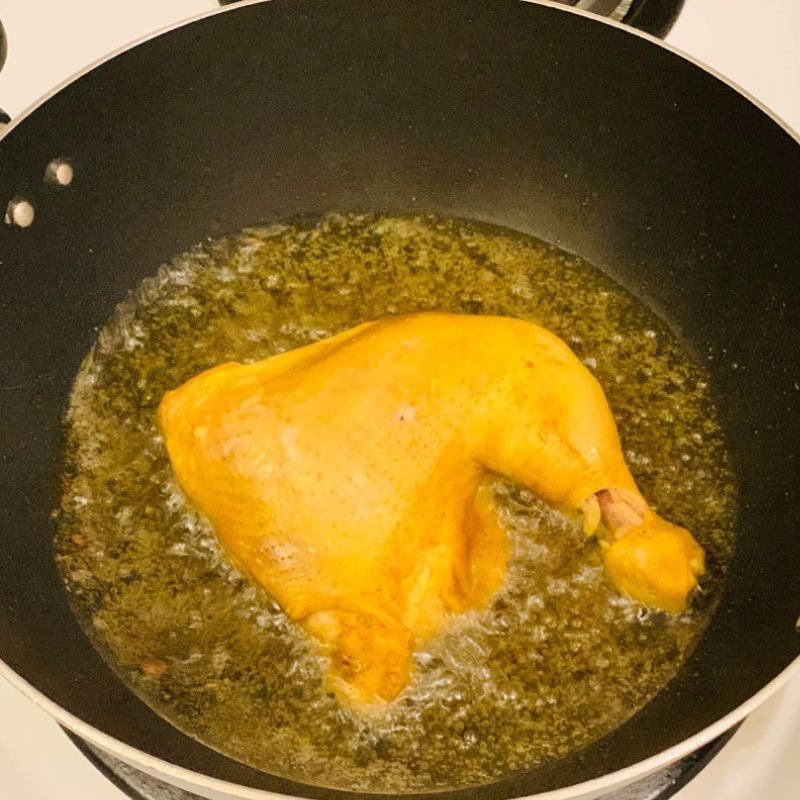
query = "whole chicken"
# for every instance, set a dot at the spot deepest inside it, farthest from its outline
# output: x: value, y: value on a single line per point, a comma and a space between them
x: 347, y: 477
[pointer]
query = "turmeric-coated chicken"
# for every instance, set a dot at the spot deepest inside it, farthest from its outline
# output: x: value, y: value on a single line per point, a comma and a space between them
x: 347, y: 477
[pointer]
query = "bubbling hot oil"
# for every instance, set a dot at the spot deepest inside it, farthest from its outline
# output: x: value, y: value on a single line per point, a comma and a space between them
x: 556, y: 661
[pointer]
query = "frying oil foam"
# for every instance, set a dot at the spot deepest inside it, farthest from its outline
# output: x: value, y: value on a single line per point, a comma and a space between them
x: 558, y: 658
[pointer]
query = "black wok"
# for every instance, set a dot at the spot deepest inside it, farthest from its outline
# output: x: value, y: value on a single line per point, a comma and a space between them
x: 543, y: 120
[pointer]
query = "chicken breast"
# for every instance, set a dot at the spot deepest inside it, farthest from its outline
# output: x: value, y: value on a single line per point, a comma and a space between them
x: 347, y: 477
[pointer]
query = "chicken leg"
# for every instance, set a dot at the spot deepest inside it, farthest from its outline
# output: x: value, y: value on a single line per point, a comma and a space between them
x: 347, y: 478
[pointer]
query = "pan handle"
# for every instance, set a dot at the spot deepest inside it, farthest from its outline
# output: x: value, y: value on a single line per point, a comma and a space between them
x: 4, y: 118
x: 655, y: 18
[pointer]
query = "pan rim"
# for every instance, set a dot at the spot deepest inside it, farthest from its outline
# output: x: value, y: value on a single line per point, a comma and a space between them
x: 590, y: 788
x: 190, y: 777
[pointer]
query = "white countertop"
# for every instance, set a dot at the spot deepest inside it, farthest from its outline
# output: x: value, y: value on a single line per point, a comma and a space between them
x: 755, y: 43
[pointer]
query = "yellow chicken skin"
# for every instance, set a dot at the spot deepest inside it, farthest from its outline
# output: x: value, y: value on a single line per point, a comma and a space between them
x: 347, y: 478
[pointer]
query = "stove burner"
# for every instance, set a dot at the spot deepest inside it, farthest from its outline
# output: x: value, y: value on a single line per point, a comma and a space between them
x: 663, y: 784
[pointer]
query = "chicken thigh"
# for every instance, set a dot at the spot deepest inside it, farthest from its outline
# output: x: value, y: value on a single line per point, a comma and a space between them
x: 347, y: 477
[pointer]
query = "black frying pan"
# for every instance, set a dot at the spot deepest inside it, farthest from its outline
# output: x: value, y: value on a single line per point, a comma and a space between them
x: 542, y: 120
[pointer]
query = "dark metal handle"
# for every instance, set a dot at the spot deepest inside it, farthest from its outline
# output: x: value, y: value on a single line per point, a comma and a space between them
x: 652, y: 16
x: 4, y: 118
x: 605, y: 8
x: 656, y: 18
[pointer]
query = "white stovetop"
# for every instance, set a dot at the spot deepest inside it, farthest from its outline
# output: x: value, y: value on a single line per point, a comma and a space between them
x: 753, y: 42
